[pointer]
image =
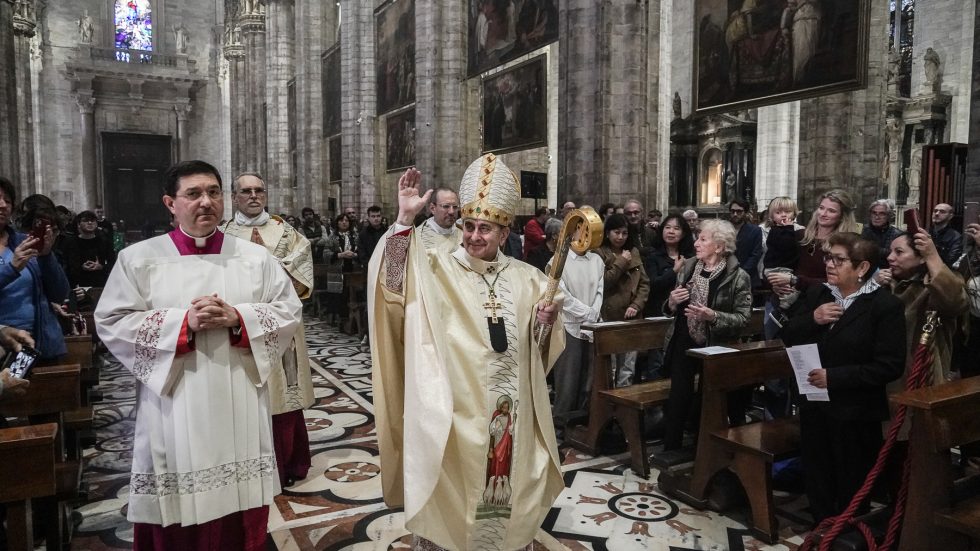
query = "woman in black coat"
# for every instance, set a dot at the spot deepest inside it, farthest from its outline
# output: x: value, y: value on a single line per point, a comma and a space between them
x: 859, y: 329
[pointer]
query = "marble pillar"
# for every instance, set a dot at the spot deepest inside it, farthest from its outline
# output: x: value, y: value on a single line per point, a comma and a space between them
x: 9, y: 152
x: 777, y: 152
x: 183, y: 108
x: 279, y: 34
x: 253, y: 39
x: 358, y: 106
x: 24, y: 30
x: 235, y: 55
x: 85, y: 99
x: 440, y: 137
x: 311, y: 171
x: 610, y: 55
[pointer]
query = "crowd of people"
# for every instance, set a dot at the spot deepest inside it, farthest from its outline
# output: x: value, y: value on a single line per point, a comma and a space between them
x: 860, y: 292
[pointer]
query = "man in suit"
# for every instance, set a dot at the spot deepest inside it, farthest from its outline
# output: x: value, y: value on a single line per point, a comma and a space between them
x: 748, y: 240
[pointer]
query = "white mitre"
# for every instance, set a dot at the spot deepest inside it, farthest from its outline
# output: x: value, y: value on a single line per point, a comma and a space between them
x: 489, y: 191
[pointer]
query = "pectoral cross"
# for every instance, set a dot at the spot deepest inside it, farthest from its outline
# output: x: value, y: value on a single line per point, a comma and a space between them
x: 491, y: 306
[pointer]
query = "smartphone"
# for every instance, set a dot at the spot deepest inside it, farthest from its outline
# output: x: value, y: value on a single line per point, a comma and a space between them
x: 971, y: 213
x: 912, y: 221
x: 40, y: 228
x: 20, y: 363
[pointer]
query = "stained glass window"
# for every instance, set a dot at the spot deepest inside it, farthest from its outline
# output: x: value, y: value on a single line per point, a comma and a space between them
x: 134, y: 29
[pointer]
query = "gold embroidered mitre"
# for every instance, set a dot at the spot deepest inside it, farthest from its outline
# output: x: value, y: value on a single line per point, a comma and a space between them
x: 489, y: 191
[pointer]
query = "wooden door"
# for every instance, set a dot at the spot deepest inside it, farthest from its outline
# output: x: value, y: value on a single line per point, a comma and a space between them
x: 133, y: 166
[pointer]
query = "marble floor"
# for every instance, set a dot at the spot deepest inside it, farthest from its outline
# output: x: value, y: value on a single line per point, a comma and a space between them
x: 604, y: 506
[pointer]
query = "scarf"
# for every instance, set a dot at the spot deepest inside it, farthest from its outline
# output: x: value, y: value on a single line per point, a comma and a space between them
x: 700, y: 286
x: 259, y: 220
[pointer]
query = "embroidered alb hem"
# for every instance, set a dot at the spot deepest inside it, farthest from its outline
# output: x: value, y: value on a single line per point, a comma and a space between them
x: 206, y: 480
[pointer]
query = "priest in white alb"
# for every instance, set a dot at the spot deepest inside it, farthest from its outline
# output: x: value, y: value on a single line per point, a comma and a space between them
x: 200, y: 320
x: 461, y: 404
x: 439, y: 231
x: 291, y: 381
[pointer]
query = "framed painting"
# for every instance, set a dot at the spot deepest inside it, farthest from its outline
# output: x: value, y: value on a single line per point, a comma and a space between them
x: 395, y: 55
x: 503, y: 30
x: 762, y: 52
x: 515, y: 108
x: 330, y: 80
x: 400, y: 140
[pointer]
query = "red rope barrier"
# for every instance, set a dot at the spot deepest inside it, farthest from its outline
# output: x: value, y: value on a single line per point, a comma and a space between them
x: 916, y: 379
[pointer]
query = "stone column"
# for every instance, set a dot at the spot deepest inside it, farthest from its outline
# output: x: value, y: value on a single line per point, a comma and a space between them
x: 24, y: 28
x: 311, y: 171
x: 973, y: 157
x: 235, y: 54
x: 440, y: 136
x: 183, y: 108
x: 85, y: 100
x: 9, y: 152
x: 358, y: 105
x: 253, y: 39
x: 842, y: 139
x: 279, y: 31
x: 610, y: 63
x: 777, y: 153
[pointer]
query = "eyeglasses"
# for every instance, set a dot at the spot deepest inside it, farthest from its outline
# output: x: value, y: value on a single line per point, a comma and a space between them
x: 258, y: 192
x: 448, y: 206
x: 632, y: 212
x: 736, y: 211
x: 213, y: 193
x: 837, y: 260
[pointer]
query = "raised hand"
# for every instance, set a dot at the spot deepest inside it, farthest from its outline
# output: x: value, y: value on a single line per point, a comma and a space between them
x: 410, y: 202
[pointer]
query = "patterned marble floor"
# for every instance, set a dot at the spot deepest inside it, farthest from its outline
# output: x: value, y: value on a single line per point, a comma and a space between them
x: 604, y: 506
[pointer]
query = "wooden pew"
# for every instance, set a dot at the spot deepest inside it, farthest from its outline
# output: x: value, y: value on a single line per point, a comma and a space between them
x: 749, y: 450
x: 53, y: 391
x: 27, y: 455
x: 628, y: 404
x: 943, y: 416
x: 356, y: 283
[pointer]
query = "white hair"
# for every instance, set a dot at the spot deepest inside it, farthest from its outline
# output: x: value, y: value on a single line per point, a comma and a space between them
x: 690, y: 213
x: 722, y: 232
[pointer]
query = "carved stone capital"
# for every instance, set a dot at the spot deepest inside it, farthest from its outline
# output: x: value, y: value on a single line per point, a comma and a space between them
x: 183, y: 108
x: 85, y: 102
x: 252, y: 23
x: 234, y: 51
x: 25, y: 19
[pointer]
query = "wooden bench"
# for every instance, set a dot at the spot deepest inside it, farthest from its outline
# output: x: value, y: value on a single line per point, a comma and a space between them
x: 53, y: 390
x: 27, y: 455
x: 357, y: 308
x: 749, y: 450
x: 943, y: 416
x: 628, y: 406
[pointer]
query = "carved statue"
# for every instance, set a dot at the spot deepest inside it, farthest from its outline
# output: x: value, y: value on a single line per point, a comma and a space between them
x: 85, y: 29
x: 677, y: 105
x: 894, y: 67
x: 730, y: 188
x: 931, y: 65
x: 180, y: 38
x: 894, y: 132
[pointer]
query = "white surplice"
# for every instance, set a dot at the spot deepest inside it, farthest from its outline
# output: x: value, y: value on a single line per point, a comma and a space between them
x: 203, y: 443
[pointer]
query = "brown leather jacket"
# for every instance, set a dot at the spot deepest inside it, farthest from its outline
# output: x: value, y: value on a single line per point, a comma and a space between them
x: 626, y: 284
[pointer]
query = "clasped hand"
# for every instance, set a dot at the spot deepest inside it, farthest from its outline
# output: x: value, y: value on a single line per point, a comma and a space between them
x: 211, y: 312
x: 826, y: 313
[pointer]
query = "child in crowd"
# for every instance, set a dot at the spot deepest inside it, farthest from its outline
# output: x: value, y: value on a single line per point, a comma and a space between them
x: 781, y: 237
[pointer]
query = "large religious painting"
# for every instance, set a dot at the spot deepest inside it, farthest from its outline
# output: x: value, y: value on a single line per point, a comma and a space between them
x: 330, y: 78
x: 395, y: 63
x: 400, y: 140
x: 515, y: 108
x: 134, y: 28
x: 761, y: 52
x: 502, y: 30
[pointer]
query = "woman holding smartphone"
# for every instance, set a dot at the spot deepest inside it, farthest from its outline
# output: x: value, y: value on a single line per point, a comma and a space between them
x: 30, y: 276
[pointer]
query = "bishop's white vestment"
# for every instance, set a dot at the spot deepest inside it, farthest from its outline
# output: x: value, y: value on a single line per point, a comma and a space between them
x: 203, y: 442
x: 465, y: 432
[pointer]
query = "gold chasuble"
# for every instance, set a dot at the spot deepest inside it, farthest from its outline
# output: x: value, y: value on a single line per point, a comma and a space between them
x: 465, y: 432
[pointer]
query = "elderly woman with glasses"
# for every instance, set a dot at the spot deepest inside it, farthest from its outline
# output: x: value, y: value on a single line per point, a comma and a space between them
x: 710, y: 305
x: 859, y: 330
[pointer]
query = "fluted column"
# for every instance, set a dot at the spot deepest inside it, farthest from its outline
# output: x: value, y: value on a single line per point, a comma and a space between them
x: 253, y: 39
x: 279, y: 32
x: 24, y: 29
x: 9, y: 156
x: 85, y: 100
x: 235, y: 54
